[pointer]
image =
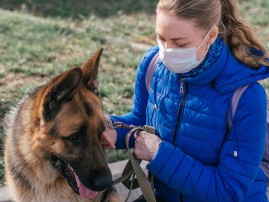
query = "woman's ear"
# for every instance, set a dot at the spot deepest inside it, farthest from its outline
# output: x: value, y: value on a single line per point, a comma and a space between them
x: 213, y: 35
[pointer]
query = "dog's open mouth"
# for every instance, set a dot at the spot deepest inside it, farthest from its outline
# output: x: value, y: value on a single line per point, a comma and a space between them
x: 72, y: 179
x: 84, y: 192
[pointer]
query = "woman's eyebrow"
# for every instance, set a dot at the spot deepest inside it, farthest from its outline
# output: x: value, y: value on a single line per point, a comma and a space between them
x: 173, y: 39
x: 158, y: 34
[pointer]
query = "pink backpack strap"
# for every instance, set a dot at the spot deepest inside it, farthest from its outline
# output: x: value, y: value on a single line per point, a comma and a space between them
x: 235, y: 100
x: 151, y: 69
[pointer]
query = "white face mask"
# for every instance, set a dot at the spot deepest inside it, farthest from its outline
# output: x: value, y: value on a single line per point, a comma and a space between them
x: 180, y: 60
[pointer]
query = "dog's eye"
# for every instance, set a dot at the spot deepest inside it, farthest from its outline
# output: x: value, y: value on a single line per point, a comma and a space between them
x: 79, y: 137
x: 73, y: 137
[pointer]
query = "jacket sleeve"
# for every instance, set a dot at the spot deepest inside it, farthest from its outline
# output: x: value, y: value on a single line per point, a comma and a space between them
x: 137, y: 116
x: 233, y: 177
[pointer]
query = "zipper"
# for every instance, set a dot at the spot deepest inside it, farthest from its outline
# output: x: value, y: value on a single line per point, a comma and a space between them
x: 181, y: 197
x: 182, y: 103
x: 181, y: 87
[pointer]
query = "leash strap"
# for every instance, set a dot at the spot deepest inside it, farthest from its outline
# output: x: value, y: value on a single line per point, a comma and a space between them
x: 141, y: 176
x: 133, y: 167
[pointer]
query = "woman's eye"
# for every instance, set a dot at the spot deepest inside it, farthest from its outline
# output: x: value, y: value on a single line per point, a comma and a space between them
x: 160, y: 39
x: 181, y: 45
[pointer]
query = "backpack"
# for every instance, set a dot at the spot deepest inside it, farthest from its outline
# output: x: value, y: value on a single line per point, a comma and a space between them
x: 235, y: 99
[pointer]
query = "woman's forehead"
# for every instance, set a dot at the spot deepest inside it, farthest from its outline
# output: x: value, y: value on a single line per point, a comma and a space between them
x: 172, y: 27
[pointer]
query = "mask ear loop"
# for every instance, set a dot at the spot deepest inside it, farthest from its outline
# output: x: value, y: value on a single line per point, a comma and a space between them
x: 202, y: 58
x: 204, y: 39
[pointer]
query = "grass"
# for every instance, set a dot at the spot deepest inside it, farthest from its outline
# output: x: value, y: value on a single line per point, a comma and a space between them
x: 80, y: 9
x: 36, y: 46
x: 40, y: 39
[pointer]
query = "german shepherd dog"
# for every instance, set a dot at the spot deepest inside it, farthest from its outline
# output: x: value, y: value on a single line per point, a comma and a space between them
x: 52, y: 149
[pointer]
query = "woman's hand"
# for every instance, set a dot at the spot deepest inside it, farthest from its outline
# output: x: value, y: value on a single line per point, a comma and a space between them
x: 109, y: 136
x: 146, y: 145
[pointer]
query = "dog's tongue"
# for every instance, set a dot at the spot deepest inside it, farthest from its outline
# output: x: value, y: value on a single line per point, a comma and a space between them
x: 85, y: 192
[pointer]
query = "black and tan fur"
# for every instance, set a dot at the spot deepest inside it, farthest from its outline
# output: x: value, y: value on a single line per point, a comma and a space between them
x: 54, y: 130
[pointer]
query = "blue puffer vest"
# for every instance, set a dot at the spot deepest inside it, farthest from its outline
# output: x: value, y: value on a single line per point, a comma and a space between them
x: 195, y: 161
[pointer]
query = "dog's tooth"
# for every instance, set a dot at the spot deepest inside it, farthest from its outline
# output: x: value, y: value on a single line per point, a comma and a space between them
x: 69, y: 167
x: 58, y: 163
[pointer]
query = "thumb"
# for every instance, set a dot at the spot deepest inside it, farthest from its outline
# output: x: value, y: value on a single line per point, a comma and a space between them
x: 107, y: 144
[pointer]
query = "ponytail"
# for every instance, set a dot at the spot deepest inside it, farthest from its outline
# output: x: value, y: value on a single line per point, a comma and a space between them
x: 224, y: 14
x: 240, y: 38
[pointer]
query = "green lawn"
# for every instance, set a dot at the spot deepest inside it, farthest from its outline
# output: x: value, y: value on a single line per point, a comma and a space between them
x: 39, y: 39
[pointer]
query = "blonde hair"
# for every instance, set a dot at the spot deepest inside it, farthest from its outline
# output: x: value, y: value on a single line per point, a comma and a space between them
x: 224, y: 14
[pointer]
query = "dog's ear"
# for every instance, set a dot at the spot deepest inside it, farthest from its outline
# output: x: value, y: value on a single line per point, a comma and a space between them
x: 90, y: 70
x: 60, y: 90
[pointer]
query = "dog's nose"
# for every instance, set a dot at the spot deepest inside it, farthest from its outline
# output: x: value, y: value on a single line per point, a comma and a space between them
x: 102, y: 180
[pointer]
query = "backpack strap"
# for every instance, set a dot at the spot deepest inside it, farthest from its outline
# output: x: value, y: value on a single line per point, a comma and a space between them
x: 235, y: 100
x: 151, y: 69
x: 265, y: 160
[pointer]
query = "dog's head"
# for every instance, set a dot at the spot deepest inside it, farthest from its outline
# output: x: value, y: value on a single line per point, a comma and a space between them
x: 71, y: 123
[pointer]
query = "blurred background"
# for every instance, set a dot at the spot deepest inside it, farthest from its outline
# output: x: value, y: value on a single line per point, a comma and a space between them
x: 41, y: 38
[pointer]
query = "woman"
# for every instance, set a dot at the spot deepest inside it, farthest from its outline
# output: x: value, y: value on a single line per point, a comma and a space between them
x: 206, y: 53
